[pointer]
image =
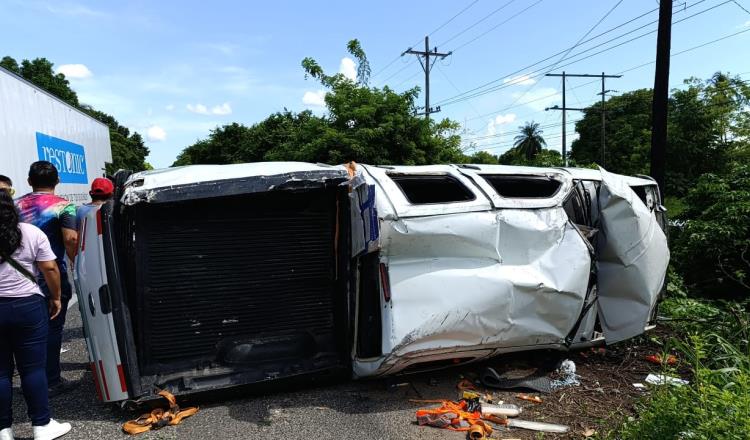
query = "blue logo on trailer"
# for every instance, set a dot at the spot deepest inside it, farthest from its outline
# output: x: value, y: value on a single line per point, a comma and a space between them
x: 67, y: 157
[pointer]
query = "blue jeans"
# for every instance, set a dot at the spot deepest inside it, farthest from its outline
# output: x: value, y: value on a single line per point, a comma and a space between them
x: 23, y: 326
x: 54, y: 339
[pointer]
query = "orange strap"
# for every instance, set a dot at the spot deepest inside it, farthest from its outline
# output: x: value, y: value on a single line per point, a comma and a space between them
x: 450, y: 415
x: 159, y: 417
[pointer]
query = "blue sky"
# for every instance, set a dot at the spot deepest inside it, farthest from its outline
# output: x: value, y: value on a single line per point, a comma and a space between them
x: 174, y: 70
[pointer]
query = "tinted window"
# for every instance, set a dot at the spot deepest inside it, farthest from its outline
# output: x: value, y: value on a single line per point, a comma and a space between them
x: 527, y: 187
x: 422, y: 189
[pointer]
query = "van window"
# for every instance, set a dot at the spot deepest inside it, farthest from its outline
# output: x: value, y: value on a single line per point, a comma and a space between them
x: 421, y: 189
x: 526, y: 187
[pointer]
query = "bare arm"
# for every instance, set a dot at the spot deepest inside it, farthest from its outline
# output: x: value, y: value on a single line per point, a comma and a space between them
x: 70, y: 239
x: 52, y: 276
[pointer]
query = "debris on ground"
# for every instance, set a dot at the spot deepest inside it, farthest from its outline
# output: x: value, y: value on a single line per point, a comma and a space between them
x: 663, y: 379
x: 535, y: 399
x: 658, y: 360
x: 536, y: 382
x: 537, y: 426
x: 159, y: 417
x: 567, y: 375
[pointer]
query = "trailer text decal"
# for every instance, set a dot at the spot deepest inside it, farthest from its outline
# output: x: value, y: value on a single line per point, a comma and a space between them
x: 67, y: 157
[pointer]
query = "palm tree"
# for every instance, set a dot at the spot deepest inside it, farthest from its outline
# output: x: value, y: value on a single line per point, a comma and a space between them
x: 530, y: 141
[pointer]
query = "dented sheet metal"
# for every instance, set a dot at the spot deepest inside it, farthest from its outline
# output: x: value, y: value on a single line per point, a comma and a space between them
x: 472, y: 279
x: 632, y: 262
x: 490, y: 279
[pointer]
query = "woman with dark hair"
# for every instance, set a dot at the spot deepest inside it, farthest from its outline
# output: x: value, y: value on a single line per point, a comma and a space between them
x: 24, y: 317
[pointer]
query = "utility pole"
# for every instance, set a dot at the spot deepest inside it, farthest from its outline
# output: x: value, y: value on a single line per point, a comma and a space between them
x: 564, y: 108
x: 661, y: 96
x: 424, y: 60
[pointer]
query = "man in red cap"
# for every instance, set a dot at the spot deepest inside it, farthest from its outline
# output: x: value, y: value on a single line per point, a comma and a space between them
x: 102, y: 190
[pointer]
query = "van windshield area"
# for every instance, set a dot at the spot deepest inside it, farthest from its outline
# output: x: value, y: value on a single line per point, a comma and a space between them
x: 523, y: 187
x: 422, y: 189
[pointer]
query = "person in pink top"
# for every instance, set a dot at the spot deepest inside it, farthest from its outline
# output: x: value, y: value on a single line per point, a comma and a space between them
x: 24, y: 317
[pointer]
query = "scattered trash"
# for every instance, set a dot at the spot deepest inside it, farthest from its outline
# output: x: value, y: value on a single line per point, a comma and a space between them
x: 662, y: 379
x: 492, y: 379
x: 657, y: 359
x: 537, y: 426
x: 506, y: 410
x: 639, y: 386
x: 449, y: 415
x: 159, y: 417
x: 63, y: 350
x: 568, y: 376
x: 535, y: 399
x: 480, y: 431
x: 589, y: 432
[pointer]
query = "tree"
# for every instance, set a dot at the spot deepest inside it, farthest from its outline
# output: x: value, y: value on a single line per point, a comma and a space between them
x: 712, y: 251
x: 530, y: 141
x: 482, y: 157
x: 707, y: 127
x: 362, y: 123
x: 544, y: 158
x: 128, y: 150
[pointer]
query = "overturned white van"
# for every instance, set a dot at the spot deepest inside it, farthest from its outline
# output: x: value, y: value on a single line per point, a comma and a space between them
x: 206, y: 277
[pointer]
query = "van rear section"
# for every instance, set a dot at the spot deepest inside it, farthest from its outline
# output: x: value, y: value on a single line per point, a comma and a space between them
x: 218, y: 283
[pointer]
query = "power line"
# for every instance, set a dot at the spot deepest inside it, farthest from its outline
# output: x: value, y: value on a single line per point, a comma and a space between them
x: 498, y: 25
x: 741, y: 7
x: 630, y: 69
x: 535, y: 74
x: 393, y: 61
x: 591, y: 29
x: 454, y: 17
x: 476, y: 91
x: 424, y: 60
x: 478, y: 22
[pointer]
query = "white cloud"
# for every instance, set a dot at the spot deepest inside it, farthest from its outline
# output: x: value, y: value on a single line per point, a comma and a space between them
x: 156, y: 134
x: 197, y: 108
x: 348, y: 68
x: 505, y: 119
x: 74, y: 71
x: 521, y: 80
x: 169, y: 107
x: 315, y: 99
x: 746, y: 24
x: 221, y: 110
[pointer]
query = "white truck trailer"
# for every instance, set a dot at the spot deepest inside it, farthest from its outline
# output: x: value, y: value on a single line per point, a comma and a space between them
x: 35, y: 125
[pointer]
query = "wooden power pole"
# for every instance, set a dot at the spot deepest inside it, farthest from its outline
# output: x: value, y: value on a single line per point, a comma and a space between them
x: 564, y: 109
x: 661, y: 96
x: 424, y: 60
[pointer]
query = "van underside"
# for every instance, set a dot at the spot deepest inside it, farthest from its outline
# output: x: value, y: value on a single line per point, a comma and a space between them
x: 238, y: 289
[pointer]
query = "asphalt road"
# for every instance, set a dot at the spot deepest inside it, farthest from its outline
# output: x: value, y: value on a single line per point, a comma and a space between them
x: 343, y: 409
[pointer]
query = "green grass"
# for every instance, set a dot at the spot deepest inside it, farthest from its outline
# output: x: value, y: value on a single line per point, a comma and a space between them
x: 712, y: 344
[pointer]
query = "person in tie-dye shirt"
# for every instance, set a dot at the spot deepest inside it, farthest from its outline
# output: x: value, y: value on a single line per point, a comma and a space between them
x: 56, y: 217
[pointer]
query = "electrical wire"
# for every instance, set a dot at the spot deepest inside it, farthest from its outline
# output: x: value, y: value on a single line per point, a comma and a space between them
x: 543, y: 70
x: 478, y: 22
x: 525, y: 68
x: 393, y: 61
x: 496, y: 26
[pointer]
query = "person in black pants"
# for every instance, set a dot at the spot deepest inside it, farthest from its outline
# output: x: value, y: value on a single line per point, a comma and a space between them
x: 24, y: 317
x: 56, y: 217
